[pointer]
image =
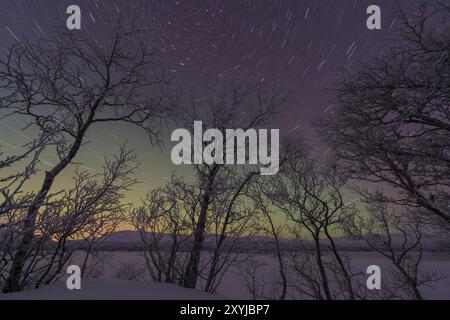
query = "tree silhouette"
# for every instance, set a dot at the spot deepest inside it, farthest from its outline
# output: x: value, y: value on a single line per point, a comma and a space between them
x: 67, y: 85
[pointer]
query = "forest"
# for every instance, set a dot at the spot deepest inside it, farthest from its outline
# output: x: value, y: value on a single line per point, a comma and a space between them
x: 375, y: 177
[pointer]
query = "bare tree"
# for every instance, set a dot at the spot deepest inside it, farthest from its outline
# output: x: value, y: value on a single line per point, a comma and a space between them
x: 8, y: 240
x: 309, y: 191
x: 398, y: 236
x: 270, y: 227
x: 253, y: 277
x: 17, y: 170
x: 305, y: 278
x: 95, y: 233
x: 104, y: 208
x: 230, y: 220
x: 64, y: 219
x: 164, y: 223
x: 69, y: 84
x: 233, y: 106
x: 391, y: 122
x: 130, y: 271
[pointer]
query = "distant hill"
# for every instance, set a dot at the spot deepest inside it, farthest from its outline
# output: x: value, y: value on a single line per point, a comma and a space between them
x: 131, y: 241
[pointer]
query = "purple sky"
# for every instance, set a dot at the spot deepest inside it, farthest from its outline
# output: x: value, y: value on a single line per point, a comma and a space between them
x: 296, y: 43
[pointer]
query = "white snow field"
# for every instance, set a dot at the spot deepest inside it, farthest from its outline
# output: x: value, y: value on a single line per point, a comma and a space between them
x: 112, y: 289
x: 107, y: 286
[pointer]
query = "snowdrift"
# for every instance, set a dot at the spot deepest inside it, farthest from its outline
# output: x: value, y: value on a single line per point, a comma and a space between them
x: 112, y: 289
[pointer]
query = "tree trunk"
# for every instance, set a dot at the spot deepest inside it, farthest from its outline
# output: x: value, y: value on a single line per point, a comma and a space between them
x: 411, y: 282
x: 86, y: 258
x: 280, y: 262
x: 323, y: 274
x: 215, y: 261
x: 191, y: 274
x: 345, y: 273
x: 13, y: 282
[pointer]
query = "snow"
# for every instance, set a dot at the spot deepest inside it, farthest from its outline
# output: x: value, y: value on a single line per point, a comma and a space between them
x: 112, y: 289
x: 108, y: 286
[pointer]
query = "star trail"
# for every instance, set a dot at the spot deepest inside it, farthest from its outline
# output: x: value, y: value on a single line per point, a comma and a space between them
x: 297, y: 44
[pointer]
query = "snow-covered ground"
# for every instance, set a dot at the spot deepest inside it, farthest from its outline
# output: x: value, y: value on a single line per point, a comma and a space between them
x: 107, y: 286
x: 436, y: 264
x: 112, y: 289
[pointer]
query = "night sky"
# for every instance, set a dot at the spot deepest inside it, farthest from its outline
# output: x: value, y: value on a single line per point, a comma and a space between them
x: 296, y: 43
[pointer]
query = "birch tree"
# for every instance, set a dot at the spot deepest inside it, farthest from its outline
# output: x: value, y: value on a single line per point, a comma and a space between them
x: 234, y: 105
x: 72, y: 82
x: 390, y: 123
